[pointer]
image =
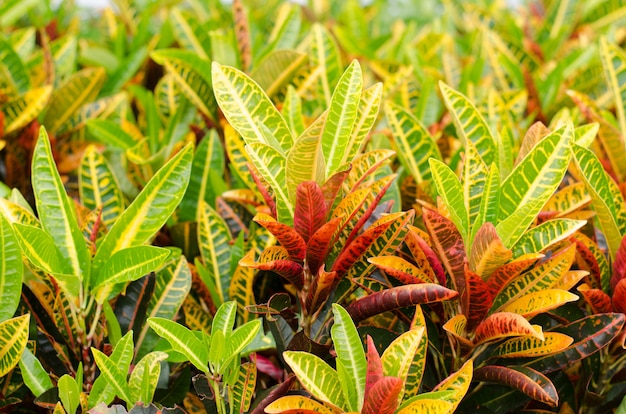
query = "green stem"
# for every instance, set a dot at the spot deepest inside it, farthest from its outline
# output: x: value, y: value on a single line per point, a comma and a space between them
x: 219, y: 401
x: 94, y: 323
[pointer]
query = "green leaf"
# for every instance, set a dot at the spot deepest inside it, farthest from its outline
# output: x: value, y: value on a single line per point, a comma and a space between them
x: 190, y: 33
x: 367, y: 114
x: 414, y: 144
x: 606, y: 198
x: 248, y: 108
x: 214, y: 241
x: 13, y: 70
x: 271, y: 164
x: 243, y: 336
x: 127, y: 265
x: 40, y: 249
x: 114, y: 376
x: 316, y: 376
x: 151, y: 208
x: 192, y: 75
x: 20, y: 111
x: 546, y: 234
x: 224, y: 318
x: 13, y: 338
x: 121, y: 357
x: 80, y: 88
x: 292, y: 111
x: 182, y: 340
x: 98, y: 186
x: 470, y: 124
x: 243, y: 390
x: 13, y: 10
x: 172, y: 285
x: 277, y: 69
x: 342, y: 113
x: 145, y: 376
x: 33, y: 374
x: 110, y: 133
x: 11, y: 270
x: 399, y: 355
x: 351, y: 355
x: 305, y: 161
x: 450, y: 189
x: 206, y: 182
x: 614, y: 64
x: 325, y: 65
x: 56, y: 210
x: 69, y: 393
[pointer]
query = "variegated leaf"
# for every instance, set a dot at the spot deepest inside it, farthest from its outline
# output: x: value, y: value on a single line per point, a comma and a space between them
x: 504, y: 324
x: 21, y: 111
x: 530, y: 382
x: 243, y: 390
x: 306, y: 161
x: 298, y: 404
x: 451, y: 191
x: 13, y: 338
x: 537, y: 302
x: 545, y: 235
x: 310, y: 209
x: 488, y: 253
x: 11, y: 270
x: 399, y: 355
x: 367, y: 113
x: 277, y: 69
x: 525, y: 347
x: 401, y: 270
x: 364, y: 167
x: 286, y: 236
x: 277, y: 260
x: 568, y: 199
x: 458, y: 383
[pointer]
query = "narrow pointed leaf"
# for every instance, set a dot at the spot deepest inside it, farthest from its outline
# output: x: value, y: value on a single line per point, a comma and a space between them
x: 11, y: 270
x: 305, y: 161
x: 552, y: 343
x: 182, y: 340
x: 243, y: 390
x: 546, y: 234
x: 530, y: 382
x: 541, y: 301
x: 504, y: 324
x: 112, y: 373
x: 276, y: 259
x: 451, y: 191
x: 399, y: 355
x: 214, y: 242
x: 400, y: 269
x: 458, y: 382
x: 310, y: 209
x: 286, y: 236
x: 367, y: 113
x: 383, y: 398
x: 398, y: 297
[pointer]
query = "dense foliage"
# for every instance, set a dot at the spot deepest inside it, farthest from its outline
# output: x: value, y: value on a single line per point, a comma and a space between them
x: 259, y: 206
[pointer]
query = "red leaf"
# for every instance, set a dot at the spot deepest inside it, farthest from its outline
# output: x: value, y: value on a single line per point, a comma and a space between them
x: 286, y: 236
x: 424, y: 255
x: 504, y: 324
x: 276, y: 259
x: 530, y: 382
x: 619, y: 265
x: 509, y: 271
x: 398, y: 297
x: 479, y: 299
x: 400, y: 269
x: 589, y: 261
x: 383, y: 398
x: 320, y: 243
x: 599, y: 301
x: 332, y: 186
x: 310, y: 210
x: 275, y: 393
x: 319, y: 290
x: 449, y: 245
x: 374, y: 366
x: 267, y: 196
x: 619, y: 296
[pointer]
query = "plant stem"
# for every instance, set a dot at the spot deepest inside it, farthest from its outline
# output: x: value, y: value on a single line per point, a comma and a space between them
x: 94, y: 323
x: 219, y: 401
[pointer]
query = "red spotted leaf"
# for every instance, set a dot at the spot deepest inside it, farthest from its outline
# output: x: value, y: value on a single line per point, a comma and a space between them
x: 619, y: 296
x: 591, y: 258
x: 504, y: 324
x: 526, y: 380
x: 479, y: 299
x: 398, y: 297
x: 509, y: 271
x: 320, y: 243
x: 286, y: 236
x: 424, y: 256
x: 449, y: 246
x: 310, y: 210
x: 619, y: 266
x: 590, y: 334
x: 384, y: 397
x: 276, y: 259
x: 374, y: 366
x: 598, y: 301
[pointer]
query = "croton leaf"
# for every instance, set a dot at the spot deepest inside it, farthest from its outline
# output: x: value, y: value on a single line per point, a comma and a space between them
x: 297, y: 404
x: 530, y: 382
x: 319, y: 291
x: 590, y: 257
x: 399, y: 355
x: 320, y: 243
x: 540, y: 301
x: 526, y: 346
x: 449, y: 245
x: 11, y: 270
x: 398, y: 297
x: 458, y: 383
x: 598, y: 301
x: 364, y: 166
x: 286, y: 236
x: 374, y: 366
x: 383, y: 397
x: 276, y: 259
x: 305, y: 161
x: 478, y: 300
x: 505, y: 324
x: 619, y: 296
x: 509, y: 271
x: 310, y: 209
x: 619, y: 265
x: 590, y: 334
x: 423, y: 254
x: 400, y: 269
x: 488, y: 252
x: 545, y: 235
x: 13, y: 338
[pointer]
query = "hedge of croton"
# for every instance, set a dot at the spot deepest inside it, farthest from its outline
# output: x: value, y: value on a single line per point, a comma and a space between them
x: 267, y: 207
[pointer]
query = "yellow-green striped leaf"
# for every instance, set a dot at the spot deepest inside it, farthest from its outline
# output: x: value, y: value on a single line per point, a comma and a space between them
x: 240, y: 290
x: 56, y: 210
x: 531, y: 347
x: 98, y: 186
x: 22, y: 110
x: 297, y: 402
x: 458, y: 382
x: 537, y: 302
x: 342, y: 113
x: 182, y: 340
x: 115, y: 377
x: 614, y: 64
x: 451, y: 191
x: 111, y: 133
x: 367, y: 114
x: 324, y: 69
x: 248, y: 108
x: 11, y: 270
x: 546, y: 234
x: 33, y: 373
x: 427, y: 406
x: 316, y: 376
x: 607, y: 200
x: 470, y: 124
x: 79, y: 89
x: 243, y: 390
x: 277, y: 69
x: 145, y: 377
x: 214, y: 242
x: 413, y: 143
x: 399, y: 355
x: 15, y: 80
x: 305, y: 161
x: 150, y: 209
x: 190, y: 33
x: 13, y: 338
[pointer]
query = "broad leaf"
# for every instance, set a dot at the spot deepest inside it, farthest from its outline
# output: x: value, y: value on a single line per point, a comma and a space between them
x: 458, y: 383
x: 450, y: 189
x: 33, y: 374
x: 297, y: 403
x: 504, y: 324
x: 144, y: 379
x: 552, y: 342
x: 530, y: 382
x: 545, y: 235
x: 13, y: 337
x: 182, y: 340
x: 115, y: 377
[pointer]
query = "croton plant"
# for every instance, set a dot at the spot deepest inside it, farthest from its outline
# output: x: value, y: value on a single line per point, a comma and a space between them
x: 334, y: 207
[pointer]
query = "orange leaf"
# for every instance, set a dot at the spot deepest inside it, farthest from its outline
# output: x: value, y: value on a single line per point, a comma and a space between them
x: 310, y: 210
x: 286, y: 236
x: 619, y: 296
x: 423, y: 254
x: 598, y: 301
x: 488, y: 252
x: 505, y: 324
x: 276, y: 259
x: 320, y: 243
x: 400, y: 269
